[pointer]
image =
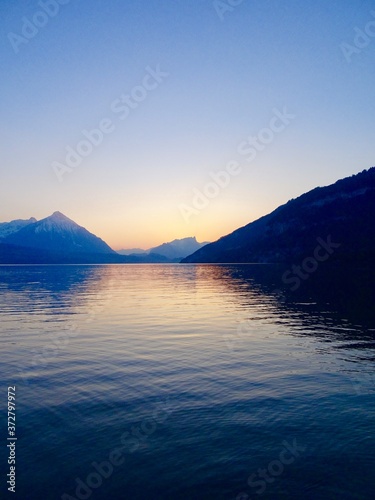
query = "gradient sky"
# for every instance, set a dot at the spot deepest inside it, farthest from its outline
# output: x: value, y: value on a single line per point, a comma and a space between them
x: 225, y: 78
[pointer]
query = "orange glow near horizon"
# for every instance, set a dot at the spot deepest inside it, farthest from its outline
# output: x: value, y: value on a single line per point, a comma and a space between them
x: 139, y: 238
x: 145, y: 234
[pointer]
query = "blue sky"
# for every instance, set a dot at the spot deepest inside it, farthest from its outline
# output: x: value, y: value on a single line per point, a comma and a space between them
x: 225, y: 70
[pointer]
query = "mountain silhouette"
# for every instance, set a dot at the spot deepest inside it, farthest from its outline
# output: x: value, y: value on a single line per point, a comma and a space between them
x: 58, y: 233
x: 178, y: 249
x: 59, y: 240
x: 342, y: 213
x: 8, y: 228
x: 172, y: 251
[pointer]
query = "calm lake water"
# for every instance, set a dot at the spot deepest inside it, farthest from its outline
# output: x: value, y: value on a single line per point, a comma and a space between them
x: 188, y: 382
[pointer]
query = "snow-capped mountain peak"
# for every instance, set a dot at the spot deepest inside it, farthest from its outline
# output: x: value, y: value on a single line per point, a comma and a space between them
x: 58, y: 233
x: 8, y: 228
x: 57, y: 222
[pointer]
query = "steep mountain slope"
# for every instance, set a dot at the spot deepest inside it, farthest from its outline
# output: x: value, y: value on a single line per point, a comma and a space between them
x: 345, y: 211
x: 58, y: 233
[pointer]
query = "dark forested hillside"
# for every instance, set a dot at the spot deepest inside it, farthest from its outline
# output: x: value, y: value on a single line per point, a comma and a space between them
x: 344, y: 211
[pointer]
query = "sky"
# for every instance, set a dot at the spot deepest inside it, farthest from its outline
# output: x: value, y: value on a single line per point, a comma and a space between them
x: 146, y: 121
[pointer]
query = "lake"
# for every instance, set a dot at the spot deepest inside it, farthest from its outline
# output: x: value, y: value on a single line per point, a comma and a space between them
x: 189, y: 382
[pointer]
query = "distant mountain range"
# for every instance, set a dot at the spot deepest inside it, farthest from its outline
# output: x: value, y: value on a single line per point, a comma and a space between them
x: 57, y: 239
x: 57, y: 233
x: 131, y: 251
x: 341, y: 215
x: 8, y: 228
x: 174, y: 250
x: 178, y: 249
